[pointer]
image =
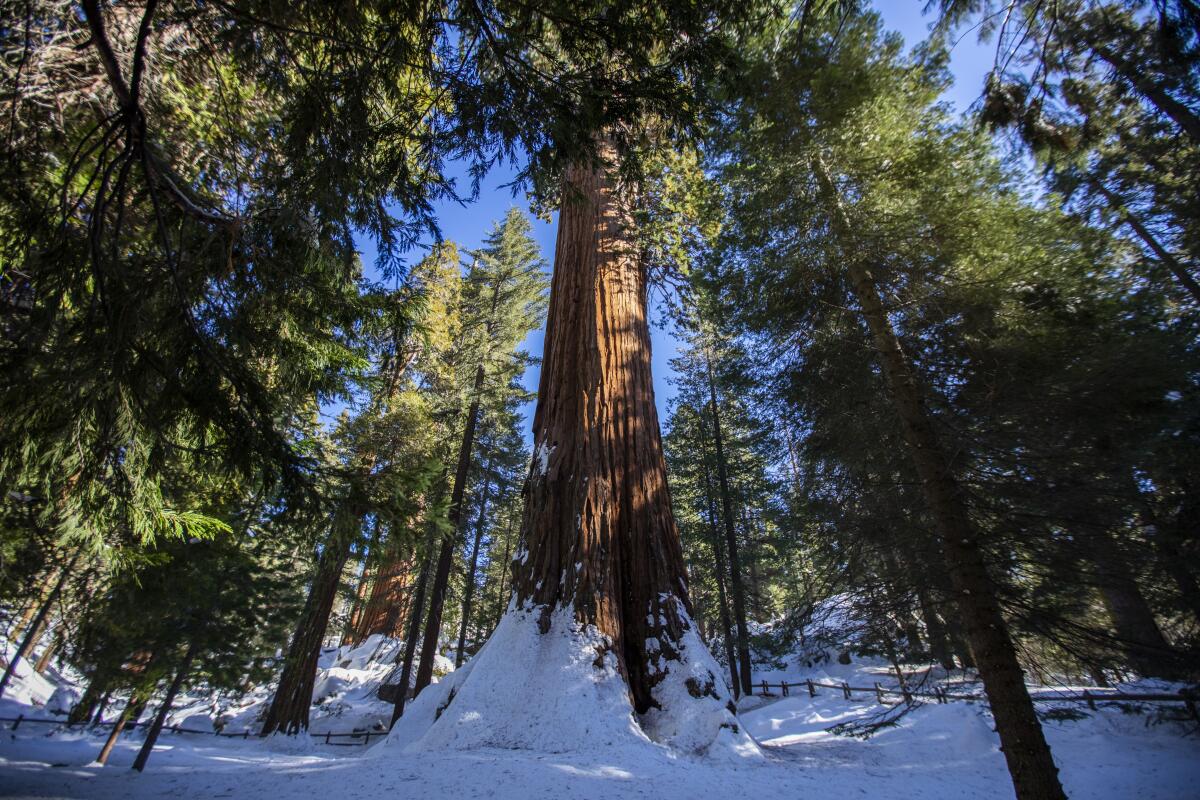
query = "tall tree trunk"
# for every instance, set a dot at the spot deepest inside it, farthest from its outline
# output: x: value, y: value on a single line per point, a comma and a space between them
x: 386, y: 608
x: 501, y: 601
x: 131, y: 712
x: 598, y: 534
x: 370, y: 558
x: 722, y: 601
x: 101, y: 707
x: 935, y: 631
x: 1145, y: 647
x: 97, y: 688
x: 161, y: 717
x: 44, y: 661
x: 35, y: 625
x: 441, y: 578
x: 1034, y: 775
x: 289, y: 708
x: 731, y: 543
x: 472, y: 565
x: 414, y: 627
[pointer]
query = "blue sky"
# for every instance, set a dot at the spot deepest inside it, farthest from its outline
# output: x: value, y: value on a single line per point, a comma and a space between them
x: 468, y: 225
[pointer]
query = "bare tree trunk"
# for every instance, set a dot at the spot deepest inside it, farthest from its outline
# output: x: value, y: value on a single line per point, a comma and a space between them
x: 101, y: 707
x: 1034, y: 775
x: 414, y: 628
x: 132, y: 710
x: 289, y: 708
x: 35, y: 625
x: 370, y: 558
x: 472, y: 565
x: 735, y: 570
x: 935, y: 631
x: 441, y: 578
x: 1137, y: 630
x: 161, y: 717
x: 82, y: 711
x: 387, y: 606
x: 720, y: 570
x: 44, y: 661
x: 501, y: 602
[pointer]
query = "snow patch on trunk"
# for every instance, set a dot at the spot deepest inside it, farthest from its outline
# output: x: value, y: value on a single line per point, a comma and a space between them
x: 696, y: 713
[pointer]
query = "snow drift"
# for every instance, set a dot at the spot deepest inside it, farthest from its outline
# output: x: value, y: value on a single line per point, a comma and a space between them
x: 560, y: 691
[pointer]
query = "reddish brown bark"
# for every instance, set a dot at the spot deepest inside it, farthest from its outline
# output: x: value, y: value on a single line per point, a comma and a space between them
x: 413, y: 628
x: 387, y: 608
x: 598, y: 532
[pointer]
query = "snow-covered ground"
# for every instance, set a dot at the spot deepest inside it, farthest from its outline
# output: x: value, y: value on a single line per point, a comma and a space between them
x: 935, y: 751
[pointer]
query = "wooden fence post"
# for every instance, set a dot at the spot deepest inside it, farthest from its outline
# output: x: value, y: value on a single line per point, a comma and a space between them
x: 17, y: 721
x: 327, y: 734
x: 1090, y: 702
x: 1190, y: 702
x: 878, y: 693
x: 764, y: 688
x: 784, y: 687
x: 812, y: 690
x: 846, y: 689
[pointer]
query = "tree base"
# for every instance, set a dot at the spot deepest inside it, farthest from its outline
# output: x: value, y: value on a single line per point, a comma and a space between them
x: 560, y: 691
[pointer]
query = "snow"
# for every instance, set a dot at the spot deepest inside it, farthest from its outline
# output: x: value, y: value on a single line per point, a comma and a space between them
x: 549, y: 682
x: 542, y: 458
x: 533, y: 716
x: 936, y: 752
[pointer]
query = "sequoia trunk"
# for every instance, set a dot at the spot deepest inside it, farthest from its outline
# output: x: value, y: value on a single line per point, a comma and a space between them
x: 598, y: 535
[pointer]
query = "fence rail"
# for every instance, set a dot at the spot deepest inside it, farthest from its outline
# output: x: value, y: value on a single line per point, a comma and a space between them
x: 939, y: 694
x: 323, y: 738
x: 881, y: 693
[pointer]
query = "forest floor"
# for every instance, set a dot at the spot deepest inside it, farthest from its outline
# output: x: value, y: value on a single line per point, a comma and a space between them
x: 935, y: 751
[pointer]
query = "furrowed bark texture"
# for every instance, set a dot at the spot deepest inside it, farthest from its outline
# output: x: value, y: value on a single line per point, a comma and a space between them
x: 598, y: 534
x: 387, y: 607
x: 1034, y: 775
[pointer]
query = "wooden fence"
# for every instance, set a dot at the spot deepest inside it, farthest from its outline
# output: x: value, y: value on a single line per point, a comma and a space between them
x: 785, y: 688
x: 939, y: 694
x: 322, y: 738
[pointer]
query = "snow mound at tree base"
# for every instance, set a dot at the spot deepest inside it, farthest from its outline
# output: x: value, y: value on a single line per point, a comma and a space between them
x: 560, y: 691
